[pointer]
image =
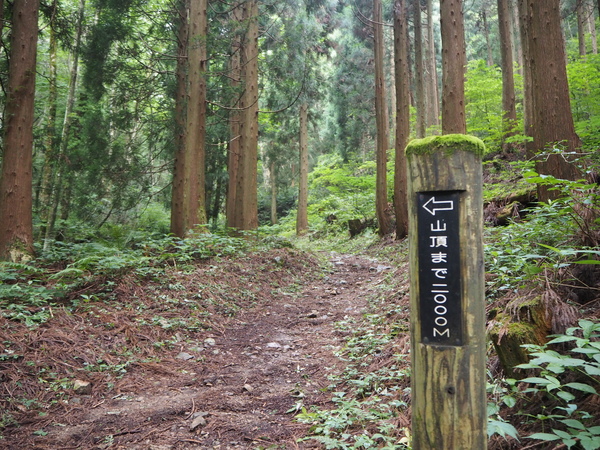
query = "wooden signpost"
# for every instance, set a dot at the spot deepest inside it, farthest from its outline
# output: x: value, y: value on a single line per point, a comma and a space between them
x: 447, y: 293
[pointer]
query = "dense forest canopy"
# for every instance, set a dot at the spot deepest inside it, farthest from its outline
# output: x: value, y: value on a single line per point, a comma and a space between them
x: 131, y: 95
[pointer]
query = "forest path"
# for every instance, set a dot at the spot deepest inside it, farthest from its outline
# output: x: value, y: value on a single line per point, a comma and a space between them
x: 254, y: 371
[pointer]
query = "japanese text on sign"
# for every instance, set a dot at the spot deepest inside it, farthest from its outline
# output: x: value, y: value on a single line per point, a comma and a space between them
x: 439, y: 268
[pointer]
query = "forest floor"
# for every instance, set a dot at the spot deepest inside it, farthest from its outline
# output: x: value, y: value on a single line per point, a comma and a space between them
x: 218, y: 355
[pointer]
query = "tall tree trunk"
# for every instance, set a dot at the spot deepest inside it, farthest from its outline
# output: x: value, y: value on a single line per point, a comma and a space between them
x: 486, y: 33
x: 178, y: 225
x: 527, y: 77
x: 402, y: 78
x: 189, y: 199
x: 381, y: 118
x: 552, y: 122
x: 233, y: 150
x: 453, y: 67
x: 302, y: 215
x: 517, y: 46
x: 508, y: 82
x: 591, y: 22
x: 1, y: 21
x: 16, y: 219
x: 246, y: 205
x: 50, y: 156
x: 273, y: 173
x: 433, y: 102
x: 419, y: 70
x: 195, y: 144
x: 217, y: 200
x: 65, y: 133
x: 582, y: 11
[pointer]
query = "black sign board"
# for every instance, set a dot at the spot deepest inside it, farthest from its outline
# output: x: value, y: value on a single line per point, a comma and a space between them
x: 439, y: 268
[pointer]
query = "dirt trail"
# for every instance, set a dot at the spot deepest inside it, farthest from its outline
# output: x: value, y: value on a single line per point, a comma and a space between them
x: 264, y: 362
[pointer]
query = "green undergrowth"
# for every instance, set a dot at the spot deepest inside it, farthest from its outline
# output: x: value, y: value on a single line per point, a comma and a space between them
x: 551, y: 252
x: 556, y: 402
x: 71, y: 272
x: 504, y: 180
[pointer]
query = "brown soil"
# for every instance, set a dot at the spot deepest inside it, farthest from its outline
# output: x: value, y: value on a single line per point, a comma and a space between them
x: 219, y: 356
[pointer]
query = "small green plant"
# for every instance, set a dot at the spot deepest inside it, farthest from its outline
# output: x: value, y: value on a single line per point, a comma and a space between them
x: 567, y: 379
x: 501, y: 392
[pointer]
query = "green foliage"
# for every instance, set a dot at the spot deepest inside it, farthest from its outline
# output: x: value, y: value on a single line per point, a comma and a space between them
x: 516, y: 254
x: 552, y: 235
x: 331, y: 428
x: 504, y: 180
x: 568, y: 379
x: 584, y: 79
x: 340, y: 192
x: 582, y: 198
x: 483, y: 93
x: 501, y: 393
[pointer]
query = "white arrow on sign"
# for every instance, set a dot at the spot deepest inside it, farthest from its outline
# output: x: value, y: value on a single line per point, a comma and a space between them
x: 441, y: 205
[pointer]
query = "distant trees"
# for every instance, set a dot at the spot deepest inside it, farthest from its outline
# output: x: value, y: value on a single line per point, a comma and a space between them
x: 157, y: 103
x: 16, y: 177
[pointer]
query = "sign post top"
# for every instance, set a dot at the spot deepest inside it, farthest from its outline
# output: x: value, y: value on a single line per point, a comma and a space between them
x: 448, y: 143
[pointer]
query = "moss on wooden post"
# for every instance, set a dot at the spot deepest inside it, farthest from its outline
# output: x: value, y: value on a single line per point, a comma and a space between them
x: 447, y: 293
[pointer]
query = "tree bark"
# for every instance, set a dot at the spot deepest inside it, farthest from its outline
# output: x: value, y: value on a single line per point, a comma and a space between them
x: 419, y: 69
x: 1, y: 21
x: 178, y: 225
x: 433, y: 102
x: 581, y: 11
x: 517, y: 47
x: 527, y: 77
x: 233, y: 151
x: 382, y: 122
x: 302, y: 215
x: 273, y: 172
x: 508, y: 81
x: 453, y: 67
x: 195, y: 144
x: 591, y: 21
x: 551, y: 119
x: 246, y: 205
x: 16, y: 219
x: 189, y: 200
x: 402, y: 78
x: 486, y: 33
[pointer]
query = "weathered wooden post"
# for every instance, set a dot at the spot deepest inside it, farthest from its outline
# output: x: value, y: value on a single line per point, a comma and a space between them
x: 447, y: 293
